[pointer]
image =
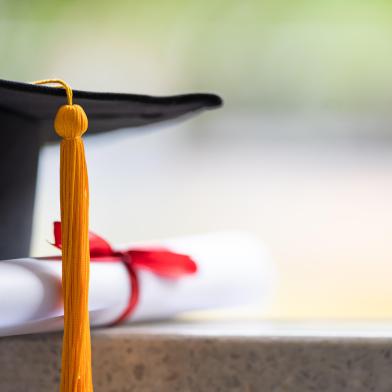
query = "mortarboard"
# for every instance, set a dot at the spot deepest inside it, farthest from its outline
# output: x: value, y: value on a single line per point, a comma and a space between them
x: 24, y: 104
x: 26, y: 123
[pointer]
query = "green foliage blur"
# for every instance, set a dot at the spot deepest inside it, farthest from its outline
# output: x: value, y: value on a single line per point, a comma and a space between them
x: 270, y: 55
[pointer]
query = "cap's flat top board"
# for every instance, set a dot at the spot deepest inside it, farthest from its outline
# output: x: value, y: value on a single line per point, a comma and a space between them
x: 106, y: 111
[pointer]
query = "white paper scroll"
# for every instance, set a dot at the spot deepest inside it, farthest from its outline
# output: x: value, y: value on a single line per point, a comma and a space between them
x: 233, y: 269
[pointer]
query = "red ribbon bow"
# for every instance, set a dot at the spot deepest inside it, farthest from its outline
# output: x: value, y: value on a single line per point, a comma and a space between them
x: 159, y: 261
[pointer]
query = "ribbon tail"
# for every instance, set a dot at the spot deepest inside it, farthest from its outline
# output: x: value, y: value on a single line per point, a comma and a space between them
x: 163, y: 263
x: 98, y: 246
x: 57, y: 234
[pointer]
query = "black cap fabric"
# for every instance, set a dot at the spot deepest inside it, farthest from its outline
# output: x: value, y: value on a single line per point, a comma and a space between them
x: 105, y: 111
x: 27, y: 114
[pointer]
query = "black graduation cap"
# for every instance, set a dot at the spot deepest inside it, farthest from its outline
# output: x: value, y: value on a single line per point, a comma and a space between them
x: 26, y: 123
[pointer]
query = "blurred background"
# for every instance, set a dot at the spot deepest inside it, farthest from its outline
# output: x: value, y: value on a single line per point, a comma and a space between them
x: 300, y: 155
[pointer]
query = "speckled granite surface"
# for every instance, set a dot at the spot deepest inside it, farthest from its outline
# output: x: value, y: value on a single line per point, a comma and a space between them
x: 169, y: 359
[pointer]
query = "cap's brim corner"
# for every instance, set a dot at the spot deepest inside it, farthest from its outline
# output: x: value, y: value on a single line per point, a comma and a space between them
x: 213, y: 101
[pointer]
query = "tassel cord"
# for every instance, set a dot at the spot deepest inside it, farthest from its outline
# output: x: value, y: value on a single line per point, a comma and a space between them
x: 70, y: 123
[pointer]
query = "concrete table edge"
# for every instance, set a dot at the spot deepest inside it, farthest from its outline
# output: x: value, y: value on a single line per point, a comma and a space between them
x: 128, y: 359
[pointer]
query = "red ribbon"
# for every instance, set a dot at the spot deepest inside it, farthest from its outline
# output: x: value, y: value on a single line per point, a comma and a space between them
x: 159, y: 261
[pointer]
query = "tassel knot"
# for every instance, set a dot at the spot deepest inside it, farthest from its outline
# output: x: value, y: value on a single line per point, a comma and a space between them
x: 70, y: 122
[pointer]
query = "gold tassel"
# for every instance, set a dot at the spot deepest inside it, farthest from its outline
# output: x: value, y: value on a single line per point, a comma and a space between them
x: 71, y: 123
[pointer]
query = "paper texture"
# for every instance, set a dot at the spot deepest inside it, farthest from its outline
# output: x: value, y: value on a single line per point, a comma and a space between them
x: 233, y: 269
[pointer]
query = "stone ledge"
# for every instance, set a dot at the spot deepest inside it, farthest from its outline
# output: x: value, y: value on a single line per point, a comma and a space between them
x: 175, y: 357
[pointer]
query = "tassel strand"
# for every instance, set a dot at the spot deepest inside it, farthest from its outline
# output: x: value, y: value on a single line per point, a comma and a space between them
x: 70, y: 124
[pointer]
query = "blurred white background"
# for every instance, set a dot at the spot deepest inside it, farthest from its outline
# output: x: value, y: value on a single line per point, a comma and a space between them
x: 300, y: 154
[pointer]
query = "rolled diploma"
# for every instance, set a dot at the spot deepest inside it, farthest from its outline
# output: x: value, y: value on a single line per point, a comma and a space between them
x: 233, y: 269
